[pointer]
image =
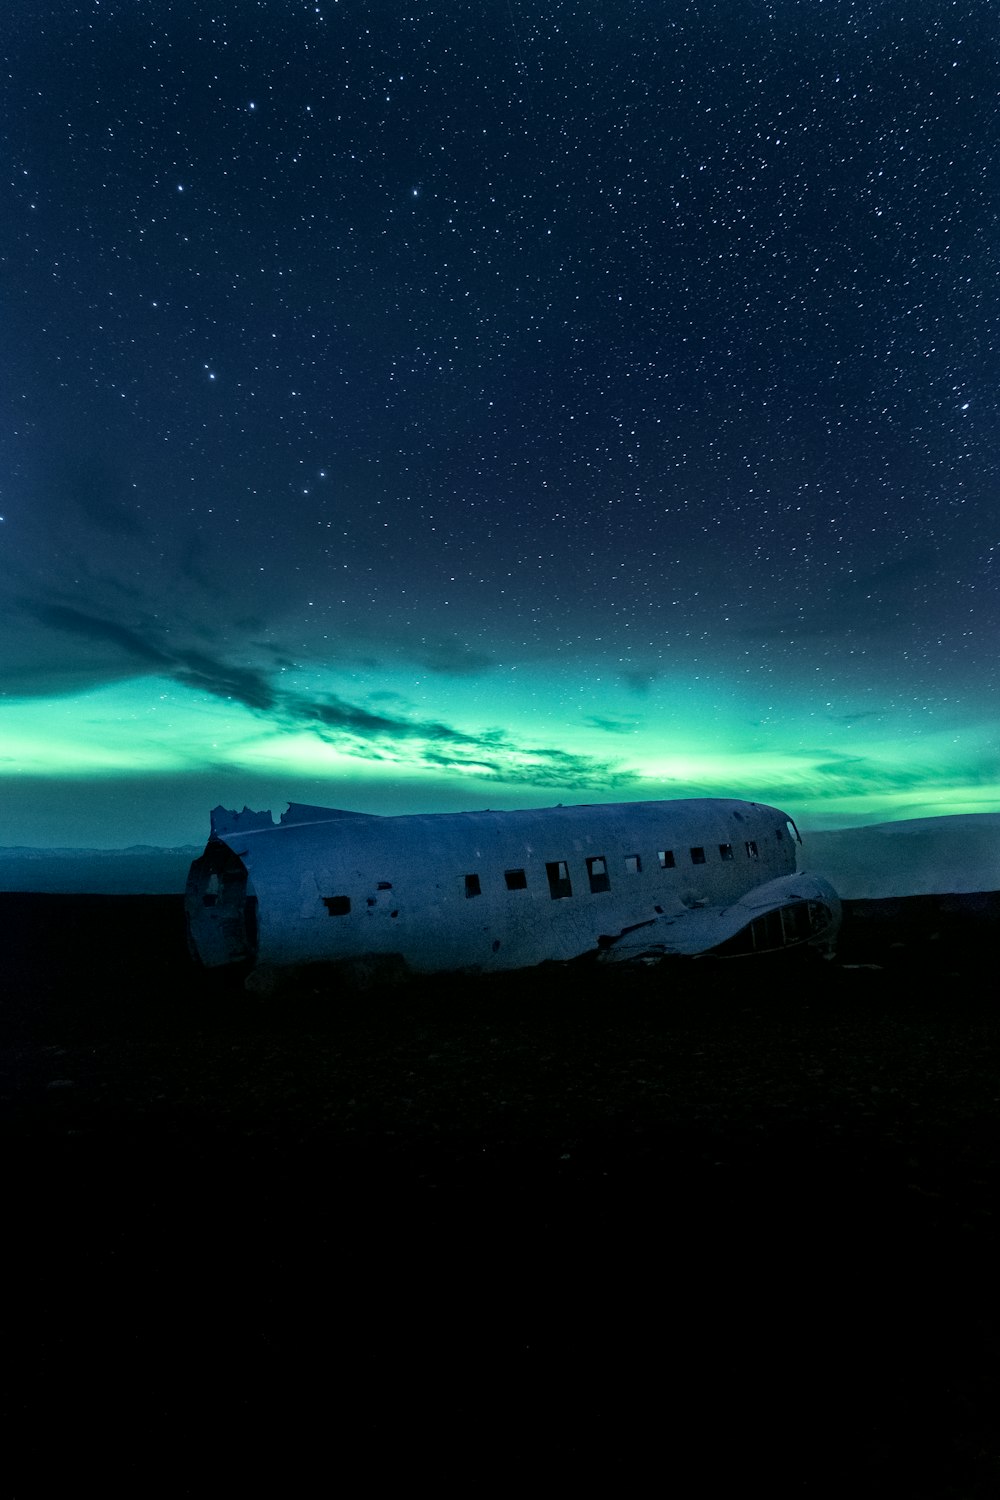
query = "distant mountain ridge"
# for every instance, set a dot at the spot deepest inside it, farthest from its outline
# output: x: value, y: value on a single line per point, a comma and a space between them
x: 957, y: 854
x: 27, y: 851
x: 139, y: 870
x: 918, y: 856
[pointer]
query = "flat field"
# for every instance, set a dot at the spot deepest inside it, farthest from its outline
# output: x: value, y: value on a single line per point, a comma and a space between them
x: 706, y: 1225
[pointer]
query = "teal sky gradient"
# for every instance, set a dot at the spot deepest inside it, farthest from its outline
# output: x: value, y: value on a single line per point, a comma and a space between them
x: 447, y: 406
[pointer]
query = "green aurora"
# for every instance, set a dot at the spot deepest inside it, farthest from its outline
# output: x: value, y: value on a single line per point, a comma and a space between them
x: 144, y: 759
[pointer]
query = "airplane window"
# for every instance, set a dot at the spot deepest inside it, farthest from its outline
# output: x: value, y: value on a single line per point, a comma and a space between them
x: 472, y: 886
x: 559, y: 881
x: 778, y: 834
x: 698, y: 856
x: 597, y: 869
x: 752, y: 849
x: 384, y: 885
x: 666, y: 858
x: 767, y: 931
x: 795, y: 922
x: 516, y: 880
x: 633, y: 864
x: 337, y: 906
x: 725, y: 851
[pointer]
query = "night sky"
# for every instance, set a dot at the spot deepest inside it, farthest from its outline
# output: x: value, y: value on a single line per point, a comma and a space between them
x: 474, y: 403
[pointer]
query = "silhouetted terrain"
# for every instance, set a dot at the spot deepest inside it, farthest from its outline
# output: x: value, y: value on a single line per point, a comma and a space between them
x: 731, y: 1222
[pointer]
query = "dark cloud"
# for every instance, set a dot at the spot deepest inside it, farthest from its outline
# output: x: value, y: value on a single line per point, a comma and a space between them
x: 491, y: 752
x: 639, y: 679
x: 830, y: 773
x: 352, y: 727
x: 536, y: 767
x: 334, y: 713
x: 194, y: 669
x: 448, y: 656
x: 467, y: 762
x: 83, y: 626
x: 612, y: 726
x: 211, y: 674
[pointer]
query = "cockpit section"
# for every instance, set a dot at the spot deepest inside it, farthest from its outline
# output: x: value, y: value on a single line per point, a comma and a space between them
x: 793, y: 911
x: 800, y: 922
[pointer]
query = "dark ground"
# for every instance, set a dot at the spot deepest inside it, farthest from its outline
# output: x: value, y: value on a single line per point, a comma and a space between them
x: 726, y: 1223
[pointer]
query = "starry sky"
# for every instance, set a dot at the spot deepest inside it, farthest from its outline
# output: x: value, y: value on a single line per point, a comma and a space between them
x: 464, y: 403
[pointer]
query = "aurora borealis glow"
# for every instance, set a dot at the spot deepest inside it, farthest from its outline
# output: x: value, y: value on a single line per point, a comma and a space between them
x: 460, y: 405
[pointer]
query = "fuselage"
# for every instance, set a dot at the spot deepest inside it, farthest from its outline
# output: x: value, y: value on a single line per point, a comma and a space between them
x: 472, y: 891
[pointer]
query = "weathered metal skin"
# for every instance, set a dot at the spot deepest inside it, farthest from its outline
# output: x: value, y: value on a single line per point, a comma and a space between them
x: 488, y: 891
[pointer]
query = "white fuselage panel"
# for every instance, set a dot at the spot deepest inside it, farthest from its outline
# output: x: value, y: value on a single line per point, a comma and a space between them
x: 491, y: 890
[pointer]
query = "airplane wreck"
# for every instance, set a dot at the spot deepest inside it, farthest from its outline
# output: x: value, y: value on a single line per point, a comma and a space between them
x: 482, y: 892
